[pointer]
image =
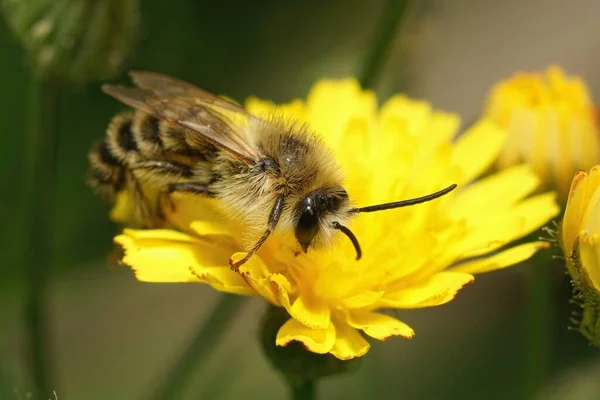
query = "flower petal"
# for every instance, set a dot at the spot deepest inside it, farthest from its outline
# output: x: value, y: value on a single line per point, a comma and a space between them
x: 159, y: 255
x: 501, y: 260
x: 574, y: 211
x: 477, y: 148
x: 162, y: 255
x: 189, y: 208
x: 331, y: 105
x: 593, y: 183
x: 210, y: 228
x: 123, y: 210
x: 440, y: 289
x: 589, y: 251
x: 495, y: 192
x: 220, y: 279
x: 363, y: 299
x: 349, y: 343
x: 379, y: 326
x: 500, y: 229
x: 591, y: 218
x: 313, y: 313
x: 309, y: 310
x: 294, y: 110
x: 257, y: 276
x: 319, y: 341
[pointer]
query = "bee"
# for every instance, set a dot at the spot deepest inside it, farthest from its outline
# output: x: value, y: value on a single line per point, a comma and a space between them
x: 272, y: 174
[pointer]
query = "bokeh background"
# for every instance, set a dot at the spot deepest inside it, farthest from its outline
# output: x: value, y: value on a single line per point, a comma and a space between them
x: 114, y: 338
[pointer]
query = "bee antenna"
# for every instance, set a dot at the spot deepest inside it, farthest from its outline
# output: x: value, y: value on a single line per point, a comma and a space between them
x: 405, y: 203
x: 353, y: 239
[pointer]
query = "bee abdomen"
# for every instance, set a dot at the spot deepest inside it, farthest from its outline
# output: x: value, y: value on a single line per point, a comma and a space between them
x: 146, y: 134
x: 106, y: 174
x: 120, y: 140
x: 178, y: 141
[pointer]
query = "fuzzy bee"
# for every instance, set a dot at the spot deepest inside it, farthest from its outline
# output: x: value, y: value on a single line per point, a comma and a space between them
x: 274, y: 175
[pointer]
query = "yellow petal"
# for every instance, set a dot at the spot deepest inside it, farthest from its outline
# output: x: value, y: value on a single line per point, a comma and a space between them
x: 401, y: 113
x: 311, y: 311
x: 189, y: 208
x: 503, y: 259
x: 331, y: 105
x: 440, y: 289
x: 574, y: 212
x: 257, y: 276
x: 158, y: 255
x: 477, y: 148
x: 363, y: 299
x: 123, y: 210
x: 281, y: 288
x: 210, y: 228
x: 379, y: 326
x: 495, y: 192
x: 319, y: 341
x: 593, y: 183
x: 591, y: 217
x: 294, y: 110
x: 349, y: 343
x: 516, y: 222
x: 589, y: 251
x: 220, y: 279
x: 169, y: 256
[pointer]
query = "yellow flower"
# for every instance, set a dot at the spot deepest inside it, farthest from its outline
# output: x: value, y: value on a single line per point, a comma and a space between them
x: 580, y: 241
x: 413, y: 257
x: 551, y: 123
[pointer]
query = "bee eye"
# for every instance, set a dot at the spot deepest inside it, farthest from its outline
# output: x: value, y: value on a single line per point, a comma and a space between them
x: 308, y: 223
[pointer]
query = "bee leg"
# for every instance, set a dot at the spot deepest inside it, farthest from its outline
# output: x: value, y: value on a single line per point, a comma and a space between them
x: 190, y: 187
x: 161, y: 199
x: 272, y: 223
x: 166, y: 167
x: 145, y: 214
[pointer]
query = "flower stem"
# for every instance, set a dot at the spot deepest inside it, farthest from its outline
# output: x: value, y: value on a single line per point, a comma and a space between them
x: 197, y: 353
x: 307, y: 390
x: 376, y: 55
x: 539, y: 321
x: 39, y: 174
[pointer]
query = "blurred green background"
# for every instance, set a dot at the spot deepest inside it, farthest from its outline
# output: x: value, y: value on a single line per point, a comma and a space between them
x: 114, y: 338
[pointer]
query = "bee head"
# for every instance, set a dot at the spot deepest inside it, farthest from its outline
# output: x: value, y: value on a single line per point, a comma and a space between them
x: 315, y: 211
x: 322, y: 209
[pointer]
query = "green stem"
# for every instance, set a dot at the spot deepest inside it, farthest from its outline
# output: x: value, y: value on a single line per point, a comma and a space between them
x: 199, y: 350
x: 39, y: 174
x: 304, y: 391
x: 539, y: 325
x: 377, y: 54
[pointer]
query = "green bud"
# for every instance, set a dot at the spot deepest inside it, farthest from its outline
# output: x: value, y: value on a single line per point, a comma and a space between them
x: 76, y: 40
x: 588, y: 298
x: 298, y: 365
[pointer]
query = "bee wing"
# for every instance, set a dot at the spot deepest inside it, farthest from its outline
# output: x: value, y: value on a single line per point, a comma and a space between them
x: 180, y: 103
x: 165, y: 85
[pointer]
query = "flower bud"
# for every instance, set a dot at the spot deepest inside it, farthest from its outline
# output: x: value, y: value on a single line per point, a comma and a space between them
x: 580, y: 242
x: 77, y: 40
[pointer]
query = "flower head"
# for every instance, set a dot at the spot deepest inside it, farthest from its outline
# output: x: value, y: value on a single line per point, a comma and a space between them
x: 551, y: 123
x: 413, y: 257
x: 580, y: 241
